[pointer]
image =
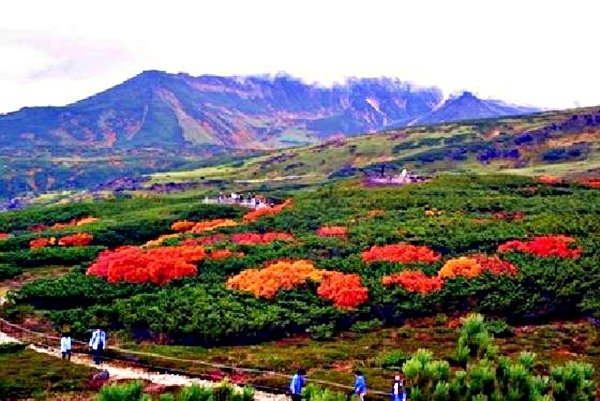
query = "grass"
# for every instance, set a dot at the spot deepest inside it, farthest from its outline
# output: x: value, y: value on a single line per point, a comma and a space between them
x: 26, y: 373
x: 335, y: 360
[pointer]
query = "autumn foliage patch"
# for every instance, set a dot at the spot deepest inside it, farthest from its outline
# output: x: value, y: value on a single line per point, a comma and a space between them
x: 157, y: 265
x: 218, y: 254
x: 559, y: 246
x: 258, y: 213
x: 333, y: 231
x: 210, y: 225
x: 414, y: 281
x: 281, y: 275
x: 345, y: 290
x: 41, y: 242
x: 75, y: 223
x: 256, y: 238
x: 78, y: 239
x: 4, y: 236
x: 401, y: 253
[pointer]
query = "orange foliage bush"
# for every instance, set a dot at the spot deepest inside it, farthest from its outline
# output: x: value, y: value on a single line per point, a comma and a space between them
x: 258, y: 213
x: 74, y: 223
x: 345, y: 290
x: 414, y: 281
x: 267, y: 282
x: 41, y: 242
x: 462, y: 266
x: 401, y: 253
x: 157, y: 265
x: 549, y: 179
x: 256, y: 238
x: 333, y: 231
x: 545, y: 246
x: 78, y: 239
x: 159, y: 241
x: 182, y: 225
x: 210, y: 225
x: 218, y: 254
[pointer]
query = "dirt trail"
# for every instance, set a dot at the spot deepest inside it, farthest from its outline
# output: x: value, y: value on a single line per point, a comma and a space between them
x: 122, y: 372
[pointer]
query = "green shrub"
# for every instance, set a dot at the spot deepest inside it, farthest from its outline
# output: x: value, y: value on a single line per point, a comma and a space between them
x: 122, y: 392
x: 364, y: 326
x: 392, y: 359
x: 195, y: 393
x: 11, y: 347
x: 322, y: 331
x: 498, y: 327
x: 166, y: 397
x: 9, y: 271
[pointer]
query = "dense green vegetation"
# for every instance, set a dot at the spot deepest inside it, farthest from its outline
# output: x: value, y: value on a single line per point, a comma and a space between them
x: 25, y: 373
x: 201, y: 310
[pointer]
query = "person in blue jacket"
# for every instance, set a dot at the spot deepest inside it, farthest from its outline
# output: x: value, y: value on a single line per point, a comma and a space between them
x: 360, y: 385
x: 296, y: 385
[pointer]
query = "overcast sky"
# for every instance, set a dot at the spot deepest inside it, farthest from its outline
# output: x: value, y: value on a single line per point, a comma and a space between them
x: 542, y: 53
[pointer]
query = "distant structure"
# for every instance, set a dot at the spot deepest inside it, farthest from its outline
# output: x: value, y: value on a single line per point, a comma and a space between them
x: 403, y: 178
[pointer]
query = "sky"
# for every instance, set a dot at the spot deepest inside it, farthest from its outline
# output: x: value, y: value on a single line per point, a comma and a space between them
x: 529, y: 52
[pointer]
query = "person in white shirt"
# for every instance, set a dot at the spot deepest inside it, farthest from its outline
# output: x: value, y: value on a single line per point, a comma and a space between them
x: 98, y: 344
x: 65, y: 346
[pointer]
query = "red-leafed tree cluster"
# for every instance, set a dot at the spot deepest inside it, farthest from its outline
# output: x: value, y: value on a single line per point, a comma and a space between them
x: 156, y: 265
x: 333, y: 231
x: 256, y: 238
x: 590, y: 182
x: 217, y: 254
x: 559, y: 246
x: 41, y: 242
x: 345, y: 290
x: 4, y: 236
x: 509, y: 216
x: 75, y: 223
x: 258, y: 213
x: 401, y: 253
x: 494, y: 264
x: 208, y: 240
x: 414, y: 281
x: 78, y: 239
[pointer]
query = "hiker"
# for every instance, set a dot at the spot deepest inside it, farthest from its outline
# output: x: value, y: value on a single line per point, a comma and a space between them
x: 360, y: 385
x: 98, y: 344
x: 65, y: 346
x: 398, y: 392
x: 296, y: 384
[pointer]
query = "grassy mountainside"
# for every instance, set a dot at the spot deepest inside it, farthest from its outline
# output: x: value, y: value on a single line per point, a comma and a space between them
x: 563, y: 143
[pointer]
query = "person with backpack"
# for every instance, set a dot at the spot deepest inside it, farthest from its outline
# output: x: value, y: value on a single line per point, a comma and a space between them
x: 398, y: 392
x: 65, y: 346
x: 98, y: 344
x: 360, y: 385
x: 296, y: 384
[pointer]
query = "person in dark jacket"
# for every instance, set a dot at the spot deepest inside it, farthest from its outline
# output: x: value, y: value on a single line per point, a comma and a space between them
x: 296, y: 384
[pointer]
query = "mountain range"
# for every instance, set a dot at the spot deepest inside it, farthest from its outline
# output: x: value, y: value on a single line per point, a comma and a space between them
x: 172, y: 111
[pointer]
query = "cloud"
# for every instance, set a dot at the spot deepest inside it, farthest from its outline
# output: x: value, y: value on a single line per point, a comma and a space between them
x: 64, y: 50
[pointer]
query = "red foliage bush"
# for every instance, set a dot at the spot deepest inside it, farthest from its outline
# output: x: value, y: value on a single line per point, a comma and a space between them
x: 462, y: 266
x: 414, y: 281
x: 495, y: 265
x: 590, y: 182
x: 401, y: 253
x: 4, y: 236
x: 156, y: 265
x: 333, y: 231
x: 545, y: 246
x: 258, y: 213
x: 345, y: 290
x: 218, y: 254
x: 41, y: 242
x: 74, y: 223
x: 256, y: 238
x: 79, y: 239
x: 549, y: 179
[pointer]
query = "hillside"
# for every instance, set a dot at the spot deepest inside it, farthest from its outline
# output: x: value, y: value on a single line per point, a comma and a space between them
x: 563, y: 143
x: 157, y: 109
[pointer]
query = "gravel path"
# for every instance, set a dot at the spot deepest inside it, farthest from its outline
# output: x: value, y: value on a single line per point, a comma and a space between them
x: 120, y: 372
